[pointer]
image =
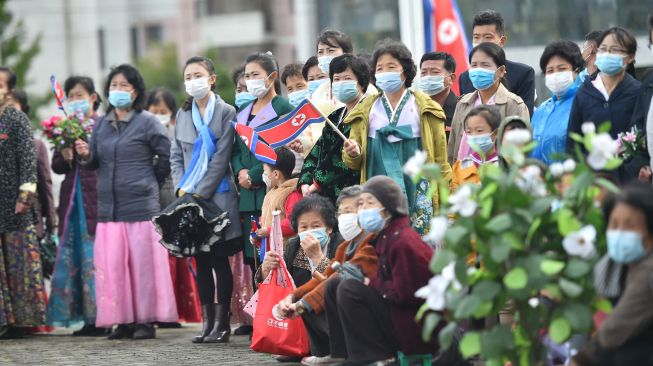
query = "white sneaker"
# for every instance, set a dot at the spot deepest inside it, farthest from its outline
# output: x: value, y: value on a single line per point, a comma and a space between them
x: 326, y: 360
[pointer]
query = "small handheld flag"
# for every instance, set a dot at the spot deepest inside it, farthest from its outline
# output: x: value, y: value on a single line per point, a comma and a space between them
x: 259, y: 148
x: 58, y: 92
x: 287, y: 128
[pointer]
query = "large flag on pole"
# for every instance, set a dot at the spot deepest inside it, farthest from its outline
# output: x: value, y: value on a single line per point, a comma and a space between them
x: 444, y: 31
x: 289, y: 127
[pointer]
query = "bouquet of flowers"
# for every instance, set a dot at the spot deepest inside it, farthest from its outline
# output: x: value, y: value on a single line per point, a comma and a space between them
x: 521, y: 247
x: 631, y: 143
x: 62, y: 132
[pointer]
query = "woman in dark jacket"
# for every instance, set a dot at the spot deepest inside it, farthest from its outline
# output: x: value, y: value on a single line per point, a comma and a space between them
x: 610, y: 95
x: 73, y: 283
x: 132, y: 275
x: 377, y: 316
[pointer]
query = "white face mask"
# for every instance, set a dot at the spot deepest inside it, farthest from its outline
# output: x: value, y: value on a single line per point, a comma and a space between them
x: 257, y: 87
x: 267, y: 181
x: 163, y: 118
x: 558, y: 83
x: 348, y: 226
x: 197, y: 88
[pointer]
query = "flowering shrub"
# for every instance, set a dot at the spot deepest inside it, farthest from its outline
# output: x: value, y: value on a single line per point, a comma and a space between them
x: 62, y: 133
x: 522, y: 243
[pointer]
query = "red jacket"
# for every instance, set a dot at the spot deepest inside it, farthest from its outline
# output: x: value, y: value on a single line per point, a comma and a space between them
x: 403, y: 269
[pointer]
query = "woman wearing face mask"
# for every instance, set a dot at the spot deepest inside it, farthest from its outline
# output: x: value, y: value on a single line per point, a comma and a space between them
x: 330, y: 44
x: 261, y: 77
x: 200, y: 164
x: 375, y: 318
x: 560, y: 63
x: 243, y: 97
x: 358, y: 260
x: 73, y: 292
x: 611, y: 95
x: 132, y: 275
x: 323, y: 171
x: 625, y: 336
x: 487, y: 68
x: 388, y: 129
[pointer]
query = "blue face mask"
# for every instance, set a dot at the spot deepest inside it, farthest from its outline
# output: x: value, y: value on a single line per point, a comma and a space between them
x: 297, y: 97
x: 77, y: 106
x: 323, y: 63
x: 625, y: 246
x: 120, y: 99
x: 345, y: 91
x: 609, y: 64
x: 371, y: 220
x: 313, y: 85
x: 481, y: 78
x: 320, y: 234
x: 431, y: 85
x: 243, y: 98
x: 389, y: 82
x: 483, y: 142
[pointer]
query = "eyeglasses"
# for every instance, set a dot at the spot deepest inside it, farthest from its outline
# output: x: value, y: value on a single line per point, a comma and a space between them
x: 612, y: 50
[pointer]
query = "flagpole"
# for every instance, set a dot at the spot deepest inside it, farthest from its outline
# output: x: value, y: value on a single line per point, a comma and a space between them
x: 328, y: 121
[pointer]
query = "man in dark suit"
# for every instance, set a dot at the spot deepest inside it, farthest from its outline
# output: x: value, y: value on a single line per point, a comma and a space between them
x: 437, y: 73
x: 487, y: 26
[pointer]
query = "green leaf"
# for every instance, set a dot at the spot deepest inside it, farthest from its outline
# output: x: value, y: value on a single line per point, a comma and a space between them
x: 577, y: 268
x: 431, y: 321
x: 533, y: 228
x: 440, y: 260
x: 467, y: 307
x: 486, y: 290
x: 567, y: 222
x: 500, y: 251
x: 613, y: 164
x: 470, y: 345
x: 559, y: 330
x: 422, y: 310
x: 603, y: 305
x: 576, y: 137
x: 488, y: 191
x: 553, y: 291
x: 540, y: 206
x: 455, y: 234
x: 516, y: 279
x: 570, y: 288
x: 551, y: 267
x: 483, y: 310
x: 445, y: 337
x: 579, y: 317
x: 604, y: 127
x: 602, y: 182
x: 496, y: 341
x: 499, y: 223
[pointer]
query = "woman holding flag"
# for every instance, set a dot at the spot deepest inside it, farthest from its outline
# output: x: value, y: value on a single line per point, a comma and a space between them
x: 200, y: 160
x: 262, y: 79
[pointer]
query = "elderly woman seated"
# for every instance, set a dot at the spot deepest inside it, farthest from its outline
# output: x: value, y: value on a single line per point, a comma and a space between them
x: 355, y: 258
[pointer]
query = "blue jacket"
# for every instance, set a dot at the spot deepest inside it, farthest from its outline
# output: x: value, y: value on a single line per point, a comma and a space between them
x: 550, y: 125
x: 590, y: 106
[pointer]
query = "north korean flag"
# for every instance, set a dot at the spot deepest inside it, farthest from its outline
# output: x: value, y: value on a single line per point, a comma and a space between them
x: 289, y: 127
x: 58, y: 92
x: 259, y: 148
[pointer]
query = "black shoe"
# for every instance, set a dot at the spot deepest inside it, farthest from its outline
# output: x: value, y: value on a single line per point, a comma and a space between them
x: 144, y: 331
x: 122, y: 331
x: 90, y: 330
x: 221, y: 327
x: 244, y: 330
x: 12, y: 333
x: 164, y: 325
x: 208, y: 318
x: 285, y: 359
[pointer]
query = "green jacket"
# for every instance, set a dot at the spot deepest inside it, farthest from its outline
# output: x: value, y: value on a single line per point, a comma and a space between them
x: 242, y: 158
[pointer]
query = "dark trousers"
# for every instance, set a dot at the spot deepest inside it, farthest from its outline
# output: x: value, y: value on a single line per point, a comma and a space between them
x: 359, y: 322
x: 318, y: 333
x: 206, y: 264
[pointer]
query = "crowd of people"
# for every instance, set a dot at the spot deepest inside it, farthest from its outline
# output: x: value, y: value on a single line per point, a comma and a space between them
x: 340, y: 200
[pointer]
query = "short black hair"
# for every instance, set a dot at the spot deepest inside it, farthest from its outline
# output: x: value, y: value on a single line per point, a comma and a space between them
x: 449, y: 61
x: 623, y: 37
x: 237, y: 74
x: 285, y: 161
x: 399, y: 51
x: 134, y: 78
x: 638, y: 195
x: 489, y: 17
x: 208, y: 65
x: 594, y: 37
x: 12, y: 79
x: 491, y: 49
x: 490, y: 113
x: 314, y: 203
x: 158, y: 95
x: 312, y: 61
x: 567, y: 50
x: 86, y: 83
x: 269, y: 63
x: 291, y: 70
x: 358, y: 66
x: 21, y: 98
x: 334, y: 38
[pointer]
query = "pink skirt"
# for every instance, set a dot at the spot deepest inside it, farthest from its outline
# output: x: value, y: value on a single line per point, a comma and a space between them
x: 132, y: 275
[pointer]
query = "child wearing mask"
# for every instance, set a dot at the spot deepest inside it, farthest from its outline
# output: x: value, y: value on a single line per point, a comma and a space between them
x: 282, y: 193
x: 481, y: 125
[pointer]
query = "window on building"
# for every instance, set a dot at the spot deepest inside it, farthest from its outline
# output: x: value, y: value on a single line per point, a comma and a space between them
x: 153, y: 34
x: 216, y: 7
x: 136, y: 52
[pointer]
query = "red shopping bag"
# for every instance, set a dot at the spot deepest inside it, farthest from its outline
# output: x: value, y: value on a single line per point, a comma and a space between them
x: 272, y: 334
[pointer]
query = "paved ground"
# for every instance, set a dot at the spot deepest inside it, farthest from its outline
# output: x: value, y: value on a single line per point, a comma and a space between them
x: 172, y: 347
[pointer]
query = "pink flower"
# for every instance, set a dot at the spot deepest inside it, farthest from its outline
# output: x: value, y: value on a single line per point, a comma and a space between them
x: 630, y: 137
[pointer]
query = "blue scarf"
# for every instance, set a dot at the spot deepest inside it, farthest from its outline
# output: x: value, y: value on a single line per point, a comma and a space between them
x: 204, y: 148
